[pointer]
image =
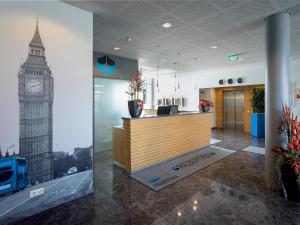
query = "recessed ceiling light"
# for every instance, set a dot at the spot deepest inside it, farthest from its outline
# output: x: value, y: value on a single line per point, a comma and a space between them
x: 213, y: 47
x: 129, y: 39
x: 167, y: 25
x: 116, y: 48
x: 163, y: 60
x: 240, y: 59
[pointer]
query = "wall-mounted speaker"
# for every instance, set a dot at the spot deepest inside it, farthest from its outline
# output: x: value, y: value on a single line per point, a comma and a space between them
x: 240, y: 80
x: 230, y: 81
x: 221, y: 82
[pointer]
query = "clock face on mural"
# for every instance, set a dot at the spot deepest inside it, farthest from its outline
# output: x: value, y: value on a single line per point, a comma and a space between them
x: 34, y: 86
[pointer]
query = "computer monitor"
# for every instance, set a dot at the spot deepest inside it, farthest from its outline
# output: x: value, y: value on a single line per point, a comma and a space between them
x: 167, y: 110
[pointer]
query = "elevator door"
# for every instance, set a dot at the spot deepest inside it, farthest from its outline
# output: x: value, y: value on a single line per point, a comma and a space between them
x: 233, y: 109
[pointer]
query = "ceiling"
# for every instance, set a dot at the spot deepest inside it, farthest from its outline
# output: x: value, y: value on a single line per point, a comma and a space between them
x: 235, y: 26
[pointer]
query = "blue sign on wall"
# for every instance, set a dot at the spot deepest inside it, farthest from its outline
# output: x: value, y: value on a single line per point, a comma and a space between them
x: 106, y: 65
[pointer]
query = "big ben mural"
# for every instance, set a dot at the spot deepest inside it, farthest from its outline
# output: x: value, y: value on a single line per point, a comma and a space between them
x: 46, y: 129
x: 36, y: 112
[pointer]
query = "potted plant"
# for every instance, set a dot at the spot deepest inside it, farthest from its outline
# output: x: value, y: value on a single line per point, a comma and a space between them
x: 135, y: 105
x: 205, y: 105
x: 258, y: 114
x: 289, y: 160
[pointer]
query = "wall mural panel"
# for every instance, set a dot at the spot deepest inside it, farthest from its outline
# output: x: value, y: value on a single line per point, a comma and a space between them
x: 39, y: 168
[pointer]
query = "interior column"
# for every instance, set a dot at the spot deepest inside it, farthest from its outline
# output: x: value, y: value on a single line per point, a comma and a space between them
x: 277, y: 84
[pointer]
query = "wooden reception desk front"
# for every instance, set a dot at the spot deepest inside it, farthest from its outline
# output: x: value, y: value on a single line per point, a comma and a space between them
x: 142, y: 142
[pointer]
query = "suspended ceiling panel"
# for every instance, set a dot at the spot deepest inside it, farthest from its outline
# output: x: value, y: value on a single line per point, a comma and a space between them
x: 234, y: 26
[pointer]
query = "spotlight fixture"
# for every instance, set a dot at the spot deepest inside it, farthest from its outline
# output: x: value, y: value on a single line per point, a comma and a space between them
x: 179, y: 214
x: 213, y: 46
x: 116, y: 48
x: 166, y: 25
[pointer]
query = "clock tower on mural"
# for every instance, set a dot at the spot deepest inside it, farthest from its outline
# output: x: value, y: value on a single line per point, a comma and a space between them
x: 36, y: 112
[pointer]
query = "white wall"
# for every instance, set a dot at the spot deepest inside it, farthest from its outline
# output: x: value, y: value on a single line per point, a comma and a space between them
x: 252, y: 74
x: 67, y: 34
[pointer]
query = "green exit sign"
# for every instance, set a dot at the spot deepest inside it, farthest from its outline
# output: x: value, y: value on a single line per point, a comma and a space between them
x: 233, y: 57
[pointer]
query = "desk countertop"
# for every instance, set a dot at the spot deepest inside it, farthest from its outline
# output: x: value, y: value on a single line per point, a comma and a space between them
x: 182, y: 113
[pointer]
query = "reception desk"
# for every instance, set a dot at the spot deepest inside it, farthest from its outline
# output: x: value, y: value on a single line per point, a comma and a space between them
x: 146, y: 141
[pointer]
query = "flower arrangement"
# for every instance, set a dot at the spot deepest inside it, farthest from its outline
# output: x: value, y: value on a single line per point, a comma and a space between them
x: 291, y: 128
x: 206, y: 103
x: 136, y: 85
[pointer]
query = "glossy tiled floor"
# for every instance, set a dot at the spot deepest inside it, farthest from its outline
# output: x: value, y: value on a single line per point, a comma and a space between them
x: 230, y: 191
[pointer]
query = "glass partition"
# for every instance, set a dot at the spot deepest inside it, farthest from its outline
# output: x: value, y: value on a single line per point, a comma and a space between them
x: 110, y: 104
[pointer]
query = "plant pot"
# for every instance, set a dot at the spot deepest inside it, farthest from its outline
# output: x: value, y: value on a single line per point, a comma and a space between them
x: 289, y: 180
x: 134, y: 108
x: 258, y: 125
x: 205, y: 108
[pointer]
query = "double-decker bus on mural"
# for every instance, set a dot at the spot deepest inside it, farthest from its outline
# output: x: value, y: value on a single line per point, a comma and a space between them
x: 13, y: 174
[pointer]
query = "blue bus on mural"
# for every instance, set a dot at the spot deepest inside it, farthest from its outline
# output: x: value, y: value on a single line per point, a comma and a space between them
x: 13, y: 174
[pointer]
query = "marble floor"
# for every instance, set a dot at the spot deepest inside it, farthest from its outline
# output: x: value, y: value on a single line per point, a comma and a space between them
x: 231, y: 191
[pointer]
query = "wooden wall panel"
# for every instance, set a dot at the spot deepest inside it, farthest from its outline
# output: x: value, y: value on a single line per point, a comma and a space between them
x: 219, y: 108
x: 247, y: 109
x: 151, y: 140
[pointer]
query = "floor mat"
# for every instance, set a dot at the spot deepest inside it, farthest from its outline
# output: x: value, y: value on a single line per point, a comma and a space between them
x: 167, y: 173
x: 255, y: 149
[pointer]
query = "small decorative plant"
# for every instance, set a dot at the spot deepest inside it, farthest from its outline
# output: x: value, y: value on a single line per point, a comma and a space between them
x: 258, y: 100
x: 205, y: 105
x: 136, y: 85
x: 289, y: 161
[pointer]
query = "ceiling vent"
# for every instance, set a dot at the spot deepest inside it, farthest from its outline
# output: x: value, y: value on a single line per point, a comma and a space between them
x: 221, y: 82
x: 240, y: 80
x: 230, y: 81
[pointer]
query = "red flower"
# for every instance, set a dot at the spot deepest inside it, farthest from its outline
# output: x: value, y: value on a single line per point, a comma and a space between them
x: 204, y: 102
x: 296, y: 123
x: 295, y: 140
x: 291, y: 146
x: 141, y: 105
x: 298, y: 148
x: 295, y: 165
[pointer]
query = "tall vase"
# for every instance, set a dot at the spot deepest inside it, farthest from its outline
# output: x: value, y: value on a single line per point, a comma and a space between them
x: 289, y: 180
x: 134, y: 108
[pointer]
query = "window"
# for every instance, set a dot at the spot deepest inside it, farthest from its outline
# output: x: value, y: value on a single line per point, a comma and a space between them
x: 6, y: 175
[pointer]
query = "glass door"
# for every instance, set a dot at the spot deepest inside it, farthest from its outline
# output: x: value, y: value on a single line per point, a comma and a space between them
x: 110, y: 105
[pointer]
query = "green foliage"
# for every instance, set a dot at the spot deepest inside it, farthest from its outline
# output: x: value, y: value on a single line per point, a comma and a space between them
x: 258, y: 100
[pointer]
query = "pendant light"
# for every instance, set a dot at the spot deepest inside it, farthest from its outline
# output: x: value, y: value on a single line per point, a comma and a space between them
x: 178, y: 74
x: 157, y: 78
x: 196, y: 71
x: 157, y: 68
x: 175, y: 76
x: 175, y: 83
